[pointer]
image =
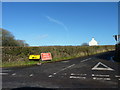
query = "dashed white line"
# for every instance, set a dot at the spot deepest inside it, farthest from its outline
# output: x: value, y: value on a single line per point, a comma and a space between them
x: 100, y: 75
x: 64, y: 69
x: 117, y: 76
x: 77, y: 77
x: 3, y: 73
x: 79, y: 74
x: 13, y: 74
x: 95, y: 78
x: 61, y: 70
x: 50, y: 76
x: 85, y: 60
x: 31, y: 75
x: 54, y: 73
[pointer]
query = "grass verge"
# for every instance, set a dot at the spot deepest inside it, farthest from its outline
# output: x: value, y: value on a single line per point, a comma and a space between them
x: 28, y: 63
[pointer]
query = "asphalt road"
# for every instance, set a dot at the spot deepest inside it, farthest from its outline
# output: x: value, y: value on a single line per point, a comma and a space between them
x: 97, y: 71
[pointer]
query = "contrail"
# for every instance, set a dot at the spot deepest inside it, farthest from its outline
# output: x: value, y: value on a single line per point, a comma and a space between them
x: 57, y: 22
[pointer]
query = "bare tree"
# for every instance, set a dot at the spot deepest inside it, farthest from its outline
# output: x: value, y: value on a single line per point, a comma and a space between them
x: 9, y: 40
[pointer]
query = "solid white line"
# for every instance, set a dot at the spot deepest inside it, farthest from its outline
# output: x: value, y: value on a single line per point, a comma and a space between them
x: 85, y: 60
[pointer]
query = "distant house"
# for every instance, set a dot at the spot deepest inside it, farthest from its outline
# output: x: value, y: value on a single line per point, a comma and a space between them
x: 93, y: 42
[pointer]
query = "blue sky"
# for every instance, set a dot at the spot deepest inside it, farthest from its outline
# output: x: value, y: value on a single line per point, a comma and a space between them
x: 61, y: 23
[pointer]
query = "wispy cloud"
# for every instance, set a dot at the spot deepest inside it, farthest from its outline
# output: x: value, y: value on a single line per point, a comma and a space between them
x: 57, y: 22
x: 42, y: 36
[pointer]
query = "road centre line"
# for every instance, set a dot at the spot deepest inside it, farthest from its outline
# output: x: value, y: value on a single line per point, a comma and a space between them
x: 64, y: 69
x: 50, y: 76
x: 61, y: 70
x: 13, y: 74
x: 31, y: 75
x: 85, y: 60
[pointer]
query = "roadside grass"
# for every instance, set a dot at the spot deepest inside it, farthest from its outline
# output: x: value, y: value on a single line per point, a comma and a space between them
x: 18, y: 63
x: 28, y: 62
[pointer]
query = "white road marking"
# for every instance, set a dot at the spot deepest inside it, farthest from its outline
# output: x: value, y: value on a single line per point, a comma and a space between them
x: 61, y: 70
x: 14, y: 74
x: 101, y: 78
x: 64, y: 69
x: 50, y: 76
x: 119, y: 79
x: 74, y: 74
x: 117, y: 76
x: 83, y: 74
x: 31, y: 75
x: 85, y: 60
x: 79, y: 74
x: 100, y: 75
x: 77, y: 77
x: 54, y: 73
x: 106, y: 67
x: 3, y: 73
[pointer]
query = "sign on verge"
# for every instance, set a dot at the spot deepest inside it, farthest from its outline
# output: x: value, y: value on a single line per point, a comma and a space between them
x: 34, y: 56
x: 46, y: 56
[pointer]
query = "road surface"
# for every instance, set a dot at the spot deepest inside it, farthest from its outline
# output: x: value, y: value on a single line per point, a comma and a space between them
x: 96, y: 71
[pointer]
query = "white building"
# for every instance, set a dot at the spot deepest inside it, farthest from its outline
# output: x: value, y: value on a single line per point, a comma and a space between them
x: 93, y: 42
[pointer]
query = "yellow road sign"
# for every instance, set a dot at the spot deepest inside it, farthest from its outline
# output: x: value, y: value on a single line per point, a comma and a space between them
x: 34, y: 56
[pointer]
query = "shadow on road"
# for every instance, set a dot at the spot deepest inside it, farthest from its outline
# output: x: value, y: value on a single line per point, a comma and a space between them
x: 106, y: 55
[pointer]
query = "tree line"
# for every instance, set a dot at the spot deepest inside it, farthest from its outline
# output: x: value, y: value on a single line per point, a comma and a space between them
x: 8, y: 39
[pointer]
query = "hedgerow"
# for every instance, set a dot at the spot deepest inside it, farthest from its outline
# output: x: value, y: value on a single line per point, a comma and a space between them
x: 10, y: 54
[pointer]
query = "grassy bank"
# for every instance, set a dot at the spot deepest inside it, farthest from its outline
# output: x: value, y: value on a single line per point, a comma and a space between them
x: 18, y: 56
